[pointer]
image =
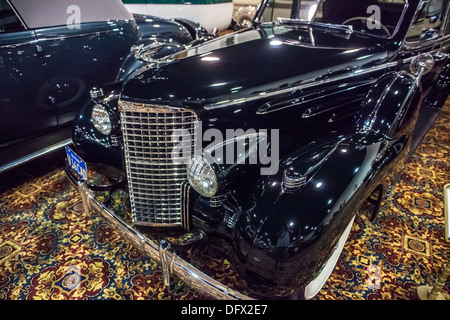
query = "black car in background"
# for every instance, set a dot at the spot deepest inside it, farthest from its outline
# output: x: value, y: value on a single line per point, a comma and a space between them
x: 265, y: 142
x: 52, y: 53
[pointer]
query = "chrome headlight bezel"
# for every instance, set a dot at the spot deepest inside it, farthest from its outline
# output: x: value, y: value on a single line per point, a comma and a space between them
x: 101, y: 119
x: 202, y: 177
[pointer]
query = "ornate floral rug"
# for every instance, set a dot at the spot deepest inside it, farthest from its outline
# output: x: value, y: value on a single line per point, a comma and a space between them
x: 405, y: 247
x: 50, y: 249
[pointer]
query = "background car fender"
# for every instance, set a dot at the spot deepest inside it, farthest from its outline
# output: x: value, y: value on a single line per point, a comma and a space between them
x: 174, y: 29
x: 194, y: 28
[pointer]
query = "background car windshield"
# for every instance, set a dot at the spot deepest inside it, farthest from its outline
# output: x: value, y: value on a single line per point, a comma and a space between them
x: 428, y: 22
x: 9, y: 22
x: 47, y: 13
x: 377, y: 17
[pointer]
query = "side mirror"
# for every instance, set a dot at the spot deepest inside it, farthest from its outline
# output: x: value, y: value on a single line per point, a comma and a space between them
x: 434, y: 19
x: 422, y: 64
x: 430, y: 34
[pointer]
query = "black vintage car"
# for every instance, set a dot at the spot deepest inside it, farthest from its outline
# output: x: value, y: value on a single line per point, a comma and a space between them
x: 266, y: 141
x: 52, y: 53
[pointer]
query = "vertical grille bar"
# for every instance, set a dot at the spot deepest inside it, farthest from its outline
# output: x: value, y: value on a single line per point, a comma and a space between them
x: 157, y: 192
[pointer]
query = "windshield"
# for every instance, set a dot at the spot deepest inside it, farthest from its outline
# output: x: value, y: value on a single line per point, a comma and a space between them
x: 47, y: 13
x: 375, y: 17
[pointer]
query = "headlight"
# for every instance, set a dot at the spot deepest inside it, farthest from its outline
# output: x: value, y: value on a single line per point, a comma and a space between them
x: 101, y: 120
x: 202, y: 177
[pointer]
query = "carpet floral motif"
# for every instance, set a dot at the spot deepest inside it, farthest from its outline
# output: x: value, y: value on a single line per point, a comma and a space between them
x: 51, y: 249
x: 405, y: 247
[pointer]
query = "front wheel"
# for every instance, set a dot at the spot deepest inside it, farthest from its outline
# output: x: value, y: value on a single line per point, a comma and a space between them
x: 313, y: 288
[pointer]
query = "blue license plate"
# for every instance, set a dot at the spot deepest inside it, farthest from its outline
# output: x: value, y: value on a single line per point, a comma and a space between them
x: 77, y: 164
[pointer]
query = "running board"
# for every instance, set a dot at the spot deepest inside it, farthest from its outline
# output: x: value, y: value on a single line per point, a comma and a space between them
x: 35, y: 155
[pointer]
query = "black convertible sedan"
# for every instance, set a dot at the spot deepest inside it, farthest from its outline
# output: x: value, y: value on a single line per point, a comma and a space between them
x: 265, y: 142
x: 52, y: 53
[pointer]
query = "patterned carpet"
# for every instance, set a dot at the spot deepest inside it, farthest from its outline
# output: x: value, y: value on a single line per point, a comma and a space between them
x: 405, y: 247
x: 50, y: 249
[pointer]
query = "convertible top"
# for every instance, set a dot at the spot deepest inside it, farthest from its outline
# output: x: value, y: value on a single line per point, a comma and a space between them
x: 46, y: 13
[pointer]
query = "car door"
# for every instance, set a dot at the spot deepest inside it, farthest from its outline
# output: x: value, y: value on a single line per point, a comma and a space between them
x: 80, y: 53
x: 427, y: 35
x: 77, y: 60
x: 23, y: 79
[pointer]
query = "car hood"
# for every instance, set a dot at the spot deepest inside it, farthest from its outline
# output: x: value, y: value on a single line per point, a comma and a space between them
x: 252, y: 62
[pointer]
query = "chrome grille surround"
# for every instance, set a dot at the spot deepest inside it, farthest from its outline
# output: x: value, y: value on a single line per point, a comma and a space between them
x: 157, y: 184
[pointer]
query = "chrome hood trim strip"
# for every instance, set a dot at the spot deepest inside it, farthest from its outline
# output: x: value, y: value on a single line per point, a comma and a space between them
x: 187, y: 273
x: 309, y: 84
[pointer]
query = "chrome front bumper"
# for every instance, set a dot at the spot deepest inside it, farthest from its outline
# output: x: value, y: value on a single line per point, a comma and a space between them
x: 169, y: 261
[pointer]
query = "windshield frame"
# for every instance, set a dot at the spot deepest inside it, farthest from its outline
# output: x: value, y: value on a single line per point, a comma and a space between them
x: 296, y: 3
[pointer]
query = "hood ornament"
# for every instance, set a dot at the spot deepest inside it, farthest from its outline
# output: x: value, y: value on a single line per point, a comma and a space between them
x: 157, y: 52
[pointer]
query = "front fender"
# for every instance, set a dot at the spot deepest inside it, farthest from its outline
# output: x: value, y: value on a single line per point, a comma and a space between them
x: 390, y: 108
x: 314, y: 216
x: 344, y: 174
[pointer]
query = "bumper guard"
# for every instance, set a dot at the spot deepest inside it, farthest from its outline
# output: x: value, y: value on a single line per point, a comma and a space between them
x: 169, y: 261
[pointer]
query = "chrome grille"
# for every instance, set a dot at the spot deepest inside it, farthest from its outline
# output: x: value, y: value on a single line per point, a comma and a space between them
x: 156, y: 182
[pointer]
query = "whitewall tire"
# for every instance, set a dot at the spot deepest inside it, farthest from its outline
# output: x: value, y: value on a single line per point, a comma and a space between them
x: 313, y: 288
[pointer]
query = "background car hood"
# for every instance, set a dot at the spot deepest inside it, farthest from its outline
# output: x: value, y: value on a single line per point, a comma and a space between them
x: 252, y: 61
x: 157, y: 27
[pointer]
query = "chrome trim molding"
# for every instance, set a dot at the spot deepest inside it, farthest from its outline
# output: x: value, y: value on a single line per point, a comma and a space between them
x: 348, y: 29
x: 311, y: 83
x: 187, y: 273
x: 36, y: 154
x: 40, y: 40
x: 166, y: 263
x: 269, y: 107
x: 79, y: 35
x: 185, y: 214
x: 16, y: 45
x: 291, y: 182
